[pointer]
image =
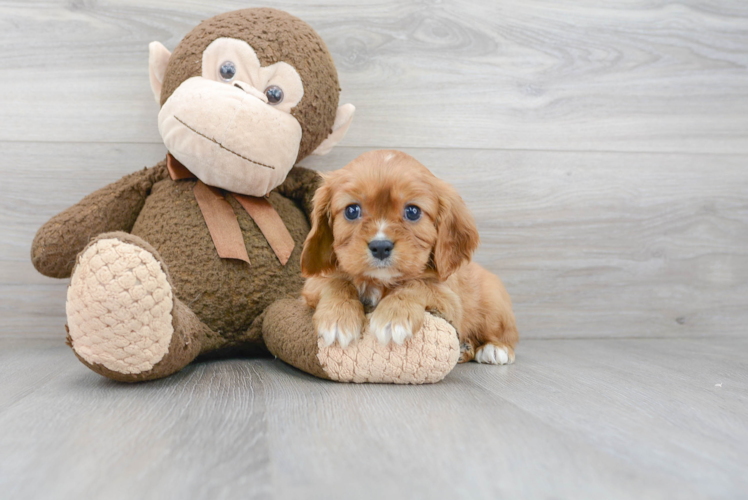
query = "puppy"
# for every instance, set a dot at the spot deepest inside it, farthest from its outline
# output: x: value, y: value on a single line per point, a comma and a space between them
x: 391, y: 239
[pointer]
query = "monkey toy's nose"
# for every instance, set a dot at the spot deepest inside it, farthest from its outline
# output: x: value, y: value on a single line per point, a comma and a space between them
x: 381, y: 249
x: 251, y: 91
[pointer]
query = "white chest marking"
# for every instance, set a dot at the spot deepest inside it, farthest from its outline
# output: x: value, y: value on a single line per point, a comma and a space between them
x: 369, y: 295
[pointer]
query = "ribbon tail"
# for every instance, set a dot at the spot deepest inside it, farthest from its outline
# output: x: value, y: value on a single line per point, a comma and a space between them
x: 270, y: 223
x: 177, y: 171
x: 222, y: 224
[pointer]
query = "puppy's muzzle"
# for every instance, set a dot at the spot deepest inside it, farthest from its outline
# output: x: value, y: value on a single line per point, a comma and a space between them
x: 381, y: 249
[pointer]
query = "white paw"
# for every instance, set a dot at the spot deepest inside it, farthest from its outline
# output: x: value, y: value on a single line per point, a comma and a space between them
x: 396, y: 331
x: 336, y: 331
x: 494, y: 355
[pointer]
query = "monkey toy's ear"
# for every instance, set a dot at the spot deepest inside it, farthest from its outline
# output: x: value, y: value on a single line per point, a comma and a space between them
x: 158, y: 58
x: 343, y: 119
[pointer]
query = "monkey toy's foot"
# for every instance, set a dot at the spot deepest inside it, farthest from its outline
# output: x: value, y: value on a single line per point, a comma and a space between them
x: 122, y: 312
x: 426, y: 358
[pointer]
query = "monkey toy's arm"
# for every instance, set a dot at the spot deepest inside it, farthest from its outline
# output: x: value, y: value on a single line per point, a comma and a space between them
x: 112, y: 208
x: 300, y: 185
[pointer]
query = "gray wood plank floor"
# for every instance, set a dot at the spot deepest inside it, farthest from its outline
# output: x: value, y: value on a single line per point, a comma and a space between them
x: 639, y: 418
x: 603, y: 149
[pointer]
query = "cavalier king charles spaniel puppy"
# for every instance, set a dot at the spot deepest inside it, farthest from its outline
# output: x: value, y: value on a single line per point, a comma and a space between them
x: 390, y: 239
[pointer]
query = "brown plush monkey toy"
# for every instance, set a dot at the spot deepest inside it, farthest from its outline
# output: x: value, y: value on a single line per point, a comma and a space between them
x: 195, y: 254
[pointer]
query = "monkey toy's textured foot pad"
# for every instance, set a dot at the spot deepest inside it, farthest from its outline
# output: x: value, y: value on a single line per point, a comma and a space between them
x: 426, y: 358
x: 119, y: 307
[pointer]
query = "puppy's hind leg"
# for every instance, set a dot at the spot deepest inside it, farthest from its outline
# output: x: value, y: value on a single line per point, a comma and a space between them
x: 497, y: 347
x: 495, y: 353
x: 495, y: 344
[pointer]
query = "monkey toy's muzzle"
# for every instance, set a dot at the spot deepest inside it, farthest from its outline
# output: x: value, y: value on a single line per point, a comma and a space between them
x: 228, y: 137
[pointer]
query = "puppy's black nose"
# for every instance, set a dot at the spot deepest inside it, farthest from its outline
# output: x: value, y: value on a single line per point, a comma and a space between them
x: 381, y: 249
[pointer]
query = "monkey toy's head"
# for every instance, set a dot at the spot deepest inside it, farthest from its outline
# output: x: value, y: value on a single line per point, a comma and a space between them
x: 244, y: 96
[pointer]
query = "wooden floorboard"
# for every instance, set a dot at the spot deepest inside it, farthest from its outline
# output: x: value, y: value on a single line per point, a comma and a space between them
x: 613, y: 418
x: 561, y: 75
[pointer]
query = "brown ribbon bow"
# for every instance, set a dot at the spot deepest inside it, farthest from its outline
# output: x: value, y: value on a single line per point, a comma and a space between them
x: 221, y: 219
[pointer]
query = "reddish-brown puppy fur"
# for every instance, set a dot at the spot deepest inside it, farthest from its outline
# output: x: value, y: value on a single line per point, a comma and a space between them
x: 429, y: 267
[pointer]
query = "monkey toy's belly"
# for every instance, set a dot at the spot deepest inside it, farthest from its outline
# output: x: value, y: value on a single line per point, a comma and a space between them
x: 226, y: 294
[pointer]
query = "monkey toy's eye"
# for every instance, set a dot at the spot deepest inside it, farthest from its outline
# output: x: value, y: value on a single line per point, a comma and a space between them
x: 412, y: 213
x: 274, y: 94
x: 227, y: 71
x: 353, y: 212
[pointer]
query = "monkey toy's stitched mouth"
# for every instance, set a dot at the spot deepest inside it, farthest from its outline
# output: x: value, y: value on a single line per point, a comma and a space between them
x: 221, y: 145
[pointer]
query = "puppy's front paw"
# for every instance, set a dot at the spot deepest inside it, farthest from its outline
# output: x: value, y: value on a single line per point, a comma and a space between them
x: 394, y: 321
x: 342, y: 322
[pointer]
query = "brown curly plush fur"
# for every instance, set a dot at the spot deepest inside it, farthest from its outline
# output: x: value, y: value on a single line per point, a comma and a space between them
x: 226, y: 294
x: 58, y: 242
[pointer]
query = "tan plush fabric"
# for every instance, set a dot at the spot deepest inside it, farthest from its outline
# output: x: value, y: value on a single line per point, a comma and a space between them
x: 212, y: 128
x: 158, y: 59
x: 275, y: 36
x: 426, y: 358
x: 343, y: 119
x: 253, y: 76
x: 119, y: 306
x: 190, y: 337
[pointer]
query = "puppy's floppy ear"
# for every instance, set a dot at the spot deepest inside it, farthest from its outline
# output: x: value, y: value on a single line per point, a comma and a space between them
x: 318, y: 256
x: 457, y: 236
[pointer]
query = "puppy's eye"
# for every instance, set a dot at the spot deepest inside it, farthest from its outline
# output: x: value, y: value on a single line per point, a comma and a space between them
x: 412, y: 213
x: 227, y: 71
x: 353, y: 212
x: 274, y: 94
